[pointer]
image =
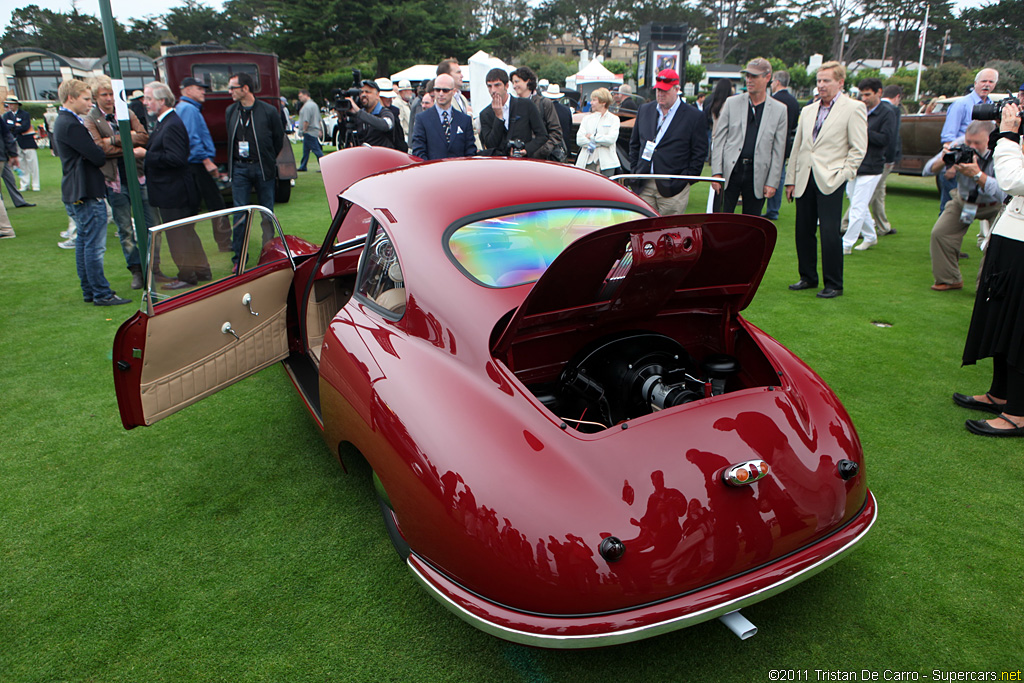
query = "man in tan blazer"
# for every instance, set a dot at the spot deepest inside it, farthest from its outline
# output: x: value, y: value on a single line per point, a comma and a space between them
x: 749, y: 145
x: 831, y: 139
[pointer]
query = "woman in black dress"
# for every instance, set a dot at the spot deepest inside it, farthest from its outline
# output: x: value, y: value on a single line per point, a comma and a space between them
x: 997, y: 324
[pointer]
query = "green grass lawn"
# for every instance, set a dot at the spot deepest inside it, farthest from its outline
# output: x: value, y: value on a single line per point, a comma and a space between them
x: 226, y: 544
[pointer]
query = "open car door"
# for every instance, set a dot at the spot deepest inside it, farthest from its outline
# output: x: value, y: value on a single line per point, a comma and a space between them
x: 214, y: 311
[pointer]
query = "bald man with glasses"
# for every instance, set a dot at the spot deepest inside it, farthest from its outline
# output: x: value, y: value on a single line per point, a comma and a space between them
x: 443, y: 132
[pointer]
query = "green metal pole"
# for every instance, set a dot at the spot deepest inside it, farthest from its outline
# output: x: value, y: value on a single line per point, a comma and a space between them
x: 124, y: 127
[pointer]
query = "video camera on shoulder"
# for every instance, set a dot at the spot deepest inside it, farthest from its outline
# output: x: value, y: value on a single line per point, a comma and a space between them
x: 959, y: 154
x: 341, y: 94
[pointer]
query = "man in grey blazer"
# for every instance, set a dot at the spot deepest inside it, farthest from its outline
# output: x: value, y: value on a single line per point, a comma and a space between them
x: 749, y: 145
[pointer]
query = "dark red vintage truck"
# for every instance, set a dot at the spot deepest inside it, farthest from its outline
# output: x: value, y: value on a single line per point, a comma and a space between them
x: 215, y: 65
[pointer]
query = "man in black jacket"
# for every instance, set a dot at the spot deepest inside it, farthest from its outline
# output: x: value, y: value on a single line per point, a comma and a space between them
x: 881, y: 131
x: 511, y: 126
x: 780, y: 91
x: 255, y: 138
x: 171, y: 187
x: 670, y: 137
x: 83, y: 191
x: 377, y: 125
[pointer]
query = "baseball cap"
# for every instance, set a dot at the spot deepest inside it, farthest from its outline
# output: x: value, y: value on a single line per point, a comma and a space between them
x: 666, y: 79
x: 757, y: 67
x: 186, y: 82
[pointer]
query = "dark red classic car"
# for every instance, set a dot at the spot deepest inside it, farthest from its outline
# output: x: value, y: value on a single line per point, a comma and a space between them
x: 576, y: 438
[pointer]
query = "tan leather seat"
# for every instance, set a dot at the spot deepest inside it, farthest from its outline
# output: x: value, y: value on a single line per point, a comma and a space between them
x: 393, y: 300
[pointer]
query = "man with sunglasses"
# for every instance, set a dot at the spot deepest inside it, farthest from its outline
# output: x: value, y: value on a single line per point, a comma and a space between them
x: 670, y: 137
x: 255, y: 138
x: 442, y: 132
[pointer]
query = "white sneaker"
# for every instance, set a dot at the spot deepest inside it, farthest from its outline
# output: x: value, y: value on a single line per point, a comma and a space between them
x: 65, y: 235
x: 865, y: 245
x: 847, y: 251
x: 67, y: 244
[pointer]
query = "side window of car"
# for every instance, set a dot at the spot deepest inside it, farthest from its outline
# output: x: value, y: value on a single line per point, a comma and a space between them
x: 189, y: 254
x: 381, y: 281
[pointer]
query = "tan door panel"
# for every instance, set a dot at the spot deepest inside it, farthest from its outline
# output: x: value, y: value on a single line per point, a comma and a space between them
x: 189, y: 357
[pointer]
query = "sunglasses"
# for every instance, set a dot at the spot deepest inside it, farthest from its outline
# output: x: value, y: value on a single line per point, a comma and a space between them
x: 659, y: 79
x: 234, y: 87
x: 443, y: 89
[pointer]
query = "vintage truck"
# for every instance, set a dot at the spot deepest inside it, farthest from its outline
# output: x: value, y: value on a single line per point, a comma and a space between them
x: 215, y: 65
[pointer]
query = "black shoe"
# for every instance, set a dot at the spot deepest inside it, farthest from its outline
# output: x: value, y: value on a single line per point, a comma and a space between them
x: 803, y: 284
x: 301, y: 170
x: 22, y: 206
x: 112, y: 300
x: 972, y: 403
x: 982, y: 428
x: 829, y: 293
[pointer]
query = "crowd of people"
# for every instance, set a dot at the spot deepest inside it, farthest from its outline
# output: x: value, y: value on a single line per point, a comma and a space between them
x: 760, y: 144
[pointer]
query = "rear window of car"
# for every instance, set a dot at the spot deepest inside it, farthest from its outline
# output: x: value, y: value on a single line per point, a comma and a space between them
x: 516, y: 248
x: 218, y: 75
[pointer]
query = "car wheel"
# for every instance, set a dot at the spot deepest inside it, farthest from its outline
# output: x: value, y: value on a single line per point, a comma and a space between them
x: 391, y: 524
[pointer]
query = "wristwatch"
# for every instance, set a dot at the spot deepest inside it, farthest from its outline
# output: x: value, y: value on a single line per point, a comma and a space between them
x: 977, y: 178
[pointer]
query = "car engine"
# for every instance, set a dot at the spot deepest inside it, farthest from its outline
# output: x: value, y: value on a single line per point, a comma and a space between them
x: 629, y: 375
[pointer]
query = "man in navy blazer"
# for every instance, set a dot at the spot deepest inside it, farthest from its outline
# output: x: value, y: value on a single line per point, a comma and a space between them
x: 670, y: 137
x: 171, y: 187
x: 429, y: 140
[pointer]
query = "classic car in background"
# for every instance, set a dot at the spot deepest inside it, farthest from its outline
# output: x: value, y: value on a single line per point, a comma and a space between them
x: 921, y: 135
x: 576, y: 439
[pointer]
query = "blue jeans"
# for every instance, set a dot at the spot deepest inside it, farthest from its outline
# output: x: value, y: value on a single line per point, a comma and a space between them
x: 121, y: 207
x: 244, y: 179
x: 91, y: 217
x: 309, y: 144
x: 773, y: 204
x: 945, y: 187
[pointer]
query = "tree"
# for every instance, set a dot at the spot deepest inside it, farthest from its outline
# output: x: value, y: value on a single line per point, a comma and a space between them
x: 196, y: 23
x: 991, y: 32
x: 73, y: 34
x: 695, y: 73
x: 949, y: 79
x: 594, y: 22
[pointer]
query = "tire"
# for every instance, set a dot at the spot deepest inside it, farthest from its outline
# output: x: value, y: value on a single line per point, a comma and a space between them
x: 391, y: 524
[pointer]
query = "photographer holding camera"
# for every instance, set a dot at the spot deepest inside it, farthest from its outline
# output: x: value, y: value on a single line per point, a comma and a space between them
x: 966, y: 160
x: 375, y: 123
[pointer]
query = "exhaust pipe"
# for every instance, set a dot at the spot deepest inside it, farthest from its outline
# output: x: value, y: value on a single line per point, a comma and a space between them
x: 738, y: 624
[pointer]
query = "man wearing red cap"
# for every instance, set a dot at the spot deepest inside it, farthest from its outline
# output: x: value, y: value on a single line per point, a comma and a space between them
x: 670, y: 138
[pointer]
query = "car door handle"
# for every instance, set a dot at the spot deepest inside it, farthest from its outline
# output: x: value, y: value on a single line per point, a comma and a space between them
x: 247, y: 301
x: 226, y: 329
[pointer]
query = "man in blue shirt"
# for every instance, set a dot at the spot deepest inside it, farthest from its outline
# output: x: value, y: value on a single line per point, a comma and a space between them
x: 958, y: 116
x: 200, y: 156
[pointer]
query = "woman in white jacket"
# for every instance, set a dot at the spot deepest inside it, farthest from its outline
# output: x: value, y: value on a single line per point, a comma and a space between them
x: 997, y: 324
x: 597, y: 135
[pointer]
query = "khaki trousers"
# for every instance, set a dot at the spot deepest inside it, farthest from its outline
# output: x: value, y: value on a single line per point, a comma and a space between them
x: 948, y: 236
x: 665, y: 206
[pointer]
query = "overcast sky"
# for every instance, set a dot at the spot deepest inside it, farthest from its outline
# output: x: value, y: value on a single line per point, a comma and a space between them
x: 125, y: 10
